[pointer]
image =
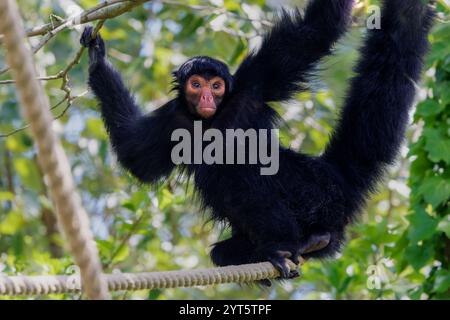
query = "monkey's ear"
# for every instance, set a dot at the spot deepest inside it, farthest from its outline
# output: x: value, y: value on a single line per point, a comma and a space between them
x: 175, y: 81
x: 230, y: 84
x: 177, y: 77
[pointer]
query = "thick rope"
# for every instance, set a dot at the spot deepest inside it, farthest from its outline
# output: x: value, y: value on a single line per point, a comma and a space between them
x: 43, y: 285
x: 53, y: 161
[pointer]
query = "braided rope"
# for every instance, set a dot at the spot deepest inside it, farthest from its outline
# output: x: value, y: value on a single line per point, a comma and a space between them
x: 43, y: 285
x: 53, y: 161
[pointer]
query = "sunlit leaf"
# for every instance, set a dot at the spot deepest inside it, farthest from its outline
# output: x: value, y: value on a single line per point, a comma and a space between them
x: 442, y: 282
x: 435, y: 190
x: 10, y: 224
x: 121, y: 254
x: 444, y: 226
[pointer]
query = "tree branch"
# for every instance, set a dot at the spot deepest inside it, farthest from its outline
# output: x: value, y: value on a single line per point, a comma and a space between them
x: 104, y: 10
x: 64, y: 75
x: 69, y: 100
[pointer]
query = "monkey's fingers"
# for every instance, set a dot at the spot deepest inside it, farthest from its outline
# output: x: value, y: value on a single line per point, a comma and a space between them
x: 86, y: 37
x: 88, y: 41
x: 281, y: 263
x: 265, y: 283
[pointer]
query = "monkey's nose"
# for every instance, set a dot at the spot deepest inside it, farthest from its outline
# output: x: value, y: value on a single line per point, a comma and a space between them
x: 207, y: 98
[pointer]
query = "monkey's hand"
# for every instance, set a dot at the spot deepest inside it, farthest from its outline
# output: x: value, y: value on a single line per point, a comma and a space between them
x: 409, y: 15
x: 96, y: 46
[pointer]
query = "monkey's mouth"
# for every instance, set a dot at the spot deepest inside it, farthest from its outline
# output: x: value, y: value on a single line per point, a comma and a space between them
x: 206, y: 110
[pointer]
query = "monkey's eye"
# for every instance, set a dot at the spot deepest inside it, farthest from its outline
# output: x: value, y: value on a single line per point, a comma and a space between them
x: 196, y: 84
x: 216, y: 86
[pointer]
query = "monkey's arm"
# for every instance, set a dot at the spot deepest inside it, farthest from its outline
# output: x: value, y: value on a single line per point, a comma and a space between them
x: 292, y: 48
x: 375, y: 115
x: 141, y: 142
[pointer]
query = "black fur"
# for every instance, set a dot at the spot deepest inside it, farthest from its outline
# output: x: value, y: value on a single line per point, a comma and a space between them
x: 273, y: 217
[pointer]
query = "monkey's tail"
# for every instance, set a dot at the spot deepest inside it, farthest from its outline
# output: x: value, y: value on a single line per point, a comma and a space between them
x: 375, y: 115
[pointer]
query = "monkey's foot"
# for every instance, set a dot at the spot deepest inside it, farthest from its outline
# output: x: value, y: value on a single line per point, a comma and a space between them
x: 281, y: 263
x: 278, y: 255
x: 315, y: 242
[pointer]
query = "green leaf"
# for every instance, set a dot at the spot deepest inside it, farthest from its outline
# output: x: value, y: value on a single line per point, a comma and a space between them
x: 429, y: 108
x: 165, y: 198
x: 129, y: 205
x: 29, y: 173
x: 10, y: 224
x: 444, y: 93
x: 435, y: 190
x: 240, y: 49
x: 136, y: 201
x: 444, y: 226
x: 105, y: 247
x: 423, y: 226
x: 437, y: 145
x: 344, y: 285
x: 6, y: 196
x: 121, y: 255
x: 95, y: 128
x: 418, y: 256
x: 231, y: 5
x: 439, y: 50
x: 442, y: 282
x: 154, y: 294
x: 18, y: 143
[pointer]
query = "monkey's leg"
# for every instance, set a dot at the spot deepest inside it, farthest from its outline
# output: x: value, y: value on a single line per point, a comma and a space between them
x: 322, y: 244
x: 273, y: 232
x: 233, y: 251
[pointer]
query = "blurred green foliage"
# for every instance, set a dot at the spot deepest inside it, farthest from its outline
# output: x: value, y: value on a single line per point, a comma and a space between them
x: 399, y: 249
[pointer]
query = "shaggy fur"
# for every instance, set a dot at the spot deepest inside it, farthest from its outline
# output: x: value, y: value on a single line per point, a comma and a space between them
x: 272, y: 217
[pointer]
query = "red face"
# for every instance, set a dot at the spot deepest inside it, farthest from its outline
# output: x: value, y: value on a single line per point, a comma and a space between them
x: 205, y: 95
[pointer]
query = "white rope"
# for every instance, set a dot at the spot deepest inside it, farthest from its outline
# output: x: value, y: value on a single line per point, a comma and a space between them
x: 43, y: 285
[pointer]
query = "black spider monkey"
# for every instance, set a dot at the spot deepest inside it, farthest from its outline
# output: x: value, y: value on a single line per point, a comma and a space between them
x: 312, y: 198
